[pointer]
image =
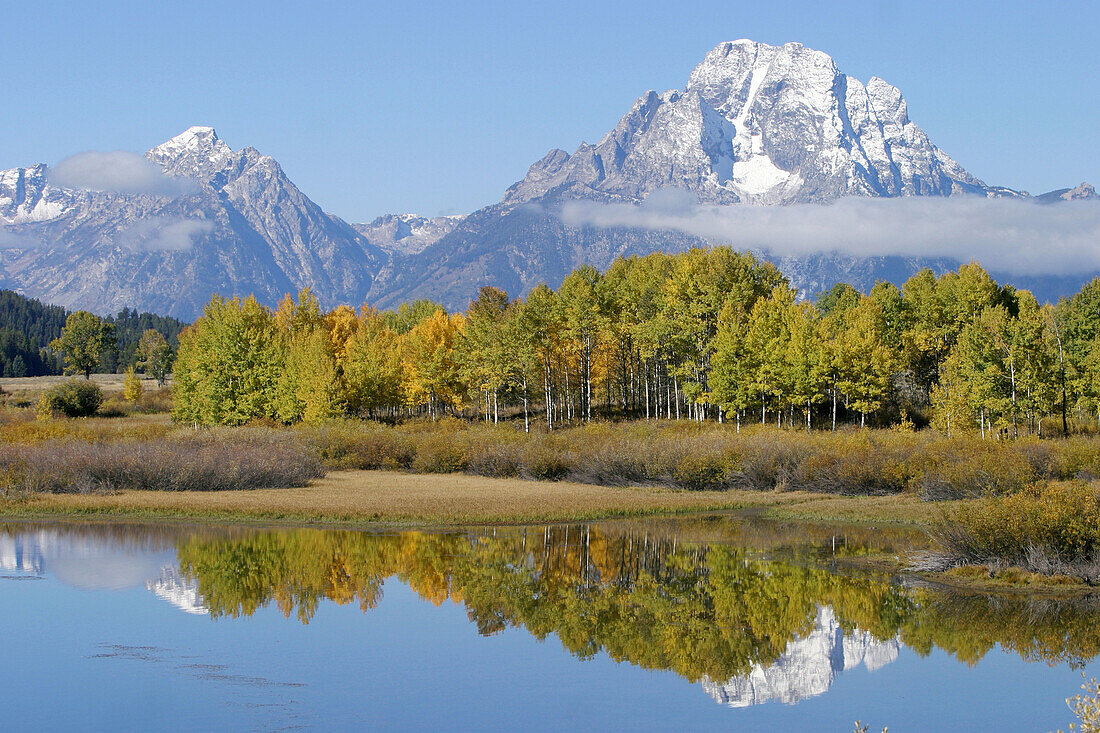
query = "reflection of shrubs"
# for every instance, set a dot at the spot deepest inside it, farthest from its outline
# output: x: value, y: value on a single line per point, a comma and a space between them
x: 73, y: 398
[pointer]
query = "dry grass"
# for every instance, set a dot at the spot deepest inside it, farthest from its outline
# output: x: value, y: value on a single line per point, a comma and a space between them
x: 109, y: 383
x: 364, y: 497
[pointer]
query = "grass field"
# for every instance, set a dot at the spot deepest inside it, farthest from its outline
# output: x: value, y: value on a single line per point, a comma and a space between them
x: 109, y: 383
x: 357, y: 497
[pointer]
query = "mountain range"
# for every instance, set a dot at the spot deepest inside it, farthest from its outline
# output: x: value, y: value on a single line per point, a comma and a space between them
x: 755, y: 124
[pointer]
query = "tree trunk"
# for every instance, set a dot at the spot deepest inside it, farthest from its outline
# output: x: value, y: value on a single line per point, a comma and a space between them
x: 834, y: 404
x: 526, y: 417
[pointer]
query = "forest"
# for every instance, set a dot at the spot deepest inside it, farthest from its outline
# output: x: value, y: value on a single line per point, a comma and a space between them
x: 710, y: 334
x: 28, y: 326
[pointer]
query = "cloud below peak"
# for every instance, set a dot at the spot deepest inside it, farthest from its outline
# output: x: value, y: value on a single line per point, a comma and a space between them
x: 118, y: 171
x: 1014, y: 236
x: 164, y: 234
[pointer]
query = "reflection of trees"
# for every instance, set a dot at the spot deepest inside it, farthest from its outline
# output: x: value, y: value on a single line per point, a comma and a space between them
x: 1054, y: 630
x: 697, y: 609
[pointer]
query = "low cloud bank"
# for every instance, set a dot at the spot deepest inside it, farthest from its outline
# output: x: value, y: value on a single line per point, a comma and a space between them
x: 1015, y: 236
x: 119, y: 171
x: 15, y: 240
x: 164, y: 234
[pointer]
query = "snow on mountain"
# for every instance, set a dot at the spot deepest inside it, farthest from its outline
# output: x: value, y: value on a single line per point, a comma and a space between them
x: 177, y: 590
x: 808, y: 666
x: 758, y: 124
x: 754, y: 124
x: 407, y: 234
x: 242, y: 227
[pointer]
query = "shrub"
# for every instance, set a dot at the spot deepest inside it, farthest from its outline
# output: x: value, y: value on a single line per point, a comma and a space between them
x: 440, y: 454
x: 699, y: 471
x: 542, y: 463
x: 206, y: 461
x: 73, y: 398
x: 361, y: 446
x: 1051, y: 530
x: 131, y: 386
x: 977, y: 471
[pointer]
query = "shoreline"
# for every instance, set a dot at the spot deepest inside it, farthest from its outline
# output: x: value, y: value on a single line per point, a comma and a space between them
x: 374, y: 498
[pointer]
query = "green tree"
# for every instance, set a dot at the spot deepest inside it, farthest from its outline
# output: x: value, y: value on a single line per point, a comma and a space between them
x: 582, y: 310
x: 155, y: 355
x: 486, y: 357
x: 866, y: 364
x: 373, y: 365
x: 228, y: 364
x: 84, y: 340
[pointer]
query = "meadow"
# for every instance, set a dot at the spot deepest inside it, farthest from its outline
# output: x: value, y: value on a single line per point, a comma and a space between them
x: 1025, y: 503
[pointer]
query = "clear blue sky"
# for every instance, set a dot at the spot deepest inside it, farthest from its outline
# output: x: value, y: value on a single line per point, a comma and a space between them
x: 438, y: 106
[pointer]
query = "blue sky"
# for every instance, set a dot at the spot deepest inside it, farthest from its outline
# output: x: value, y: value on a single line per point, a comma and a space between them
x: 439, y: 106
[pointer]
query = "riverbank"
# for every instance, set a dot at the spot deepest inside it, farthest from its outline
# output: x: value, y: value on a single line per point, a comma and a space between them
x: 369, y: 497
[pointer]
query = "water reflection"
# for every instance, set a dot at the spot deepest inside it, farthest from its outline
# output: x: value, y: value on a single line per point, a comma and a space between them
x: 753, y: 611
x: 807, y: 667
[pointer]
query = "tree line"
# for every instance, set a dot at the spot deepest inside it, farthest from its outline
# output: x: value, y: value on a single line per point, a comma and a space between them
x: 707, y: 334
x: 28, y: 328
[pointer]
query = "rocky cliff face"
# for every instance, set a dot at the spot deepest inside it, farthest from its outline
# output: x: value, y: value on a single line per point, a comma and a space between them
x: 238, y: 226
x: 807, y: 668
x: 407, y: 234
x: 758, y: 124
x: 755, y: 124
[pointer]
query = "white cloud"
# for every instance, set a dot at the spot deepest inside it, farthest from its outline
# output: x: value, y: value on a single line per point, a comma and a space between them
x: 119, y: 171
x: 164, y: 234
x: 1006, y: 235
x: 13, y: 240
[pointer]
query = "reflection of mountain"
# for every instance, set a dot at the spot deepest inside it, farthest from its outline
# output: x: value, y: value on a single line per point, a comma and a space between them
x: 808, y: 667
x: 697, y: 597
x: 85, y: 560
x: 19, y: 556
x: 181, y: 592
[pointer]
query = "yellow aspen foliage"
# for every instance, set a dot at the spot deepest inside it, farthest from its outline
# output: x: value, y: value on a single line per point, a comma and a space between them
x: 342, y: 323
x: 373, y: 366
x: 431, y: 365
x: 131, y: 386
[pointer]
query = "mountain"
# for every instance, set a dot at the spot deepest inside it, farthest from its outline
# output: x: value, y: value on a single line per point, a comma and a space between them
x: 807, y: 667
x: 407, y: 234
x: 755, y: 124
x: 758, y: 124
x: 234, y: 225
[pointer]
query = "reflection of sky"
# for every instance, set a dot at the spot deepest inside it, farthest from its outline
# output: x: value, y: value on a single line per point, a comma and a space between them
x: 124, y: 659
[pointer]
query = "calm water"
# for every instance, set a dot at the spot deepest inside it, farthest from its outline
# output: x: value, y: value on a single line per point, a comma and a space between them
x: 700, y: 624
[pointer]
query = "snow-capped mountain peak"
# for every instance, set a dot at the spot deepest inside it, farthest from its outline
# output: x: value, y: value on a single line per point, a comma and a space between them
x: 759, y: 124
x: 197, y: 152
